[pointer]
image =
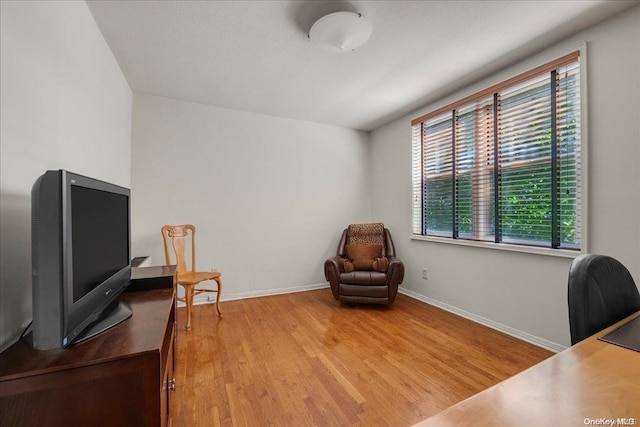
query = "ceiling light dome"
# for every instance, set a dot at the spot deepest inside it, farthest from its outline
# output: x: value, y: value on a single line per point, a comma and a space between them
x: 341, y: 31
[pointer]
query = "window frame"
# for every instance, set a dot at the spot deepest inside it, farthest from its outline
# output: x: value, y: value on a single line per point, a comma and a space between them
x: 530, y: 71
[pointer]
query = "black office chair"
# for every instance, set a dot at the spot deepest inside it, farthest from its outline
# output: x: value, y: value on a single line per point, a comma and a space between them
x: 601, y: 292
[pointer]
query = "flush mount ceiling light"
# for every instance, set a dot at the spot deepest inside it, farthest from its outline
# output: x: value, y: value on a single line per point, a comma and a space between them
x: 341, y: 31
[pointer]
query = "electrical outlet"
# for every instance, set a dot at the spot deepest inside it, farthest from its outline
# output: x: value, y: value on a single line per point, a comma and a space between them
x: 424, y: 273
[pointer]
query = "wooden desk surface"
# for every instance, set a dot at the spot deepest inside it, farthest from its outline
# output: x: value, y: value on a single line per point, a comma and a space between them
x: 582, y: 385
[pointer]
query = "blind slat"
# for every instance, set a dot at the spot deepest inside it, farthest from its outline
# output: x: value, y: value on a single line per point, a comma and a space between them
x: 565, y: 60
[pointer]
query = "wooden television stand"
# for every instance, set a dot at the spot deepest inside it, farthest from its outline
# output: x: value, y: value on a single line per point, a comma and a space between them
x: 122, y: 377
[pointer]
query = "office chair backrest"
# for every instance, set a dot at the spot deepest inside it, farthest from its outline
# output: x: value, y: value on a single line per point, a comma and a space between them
x: 601, y: 292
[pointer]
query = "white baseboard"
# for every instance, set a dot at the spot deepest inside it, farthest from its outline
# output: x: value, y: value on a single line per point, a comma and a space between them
x: 540, y: 342
x: 203, y: 298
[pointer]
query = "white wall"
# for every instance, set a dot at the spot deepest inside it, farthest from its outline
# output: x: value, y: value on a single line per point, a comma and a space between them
x: 524, y: 293
x: 269, y: 196
x: 64, y: 104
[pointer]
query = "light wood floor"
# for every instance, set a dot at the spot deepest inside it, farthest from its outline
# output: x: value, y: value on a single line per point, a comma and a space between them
x: 304, y: 359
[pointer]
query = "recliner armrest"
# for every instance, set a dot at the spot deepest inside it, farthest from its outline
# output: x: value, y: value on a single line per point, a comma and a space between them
x: 332, y: 274
x: 332, y: 263
x: 395, y: 273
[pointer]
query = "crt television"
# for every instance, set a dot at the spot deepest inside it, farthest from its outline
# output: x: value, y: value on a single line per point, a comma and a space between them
x: 80, y: 231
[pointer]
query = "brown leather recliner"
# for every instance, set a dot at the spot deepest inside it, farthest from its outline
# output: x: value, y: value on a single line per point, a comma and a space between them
x: 364, y: 284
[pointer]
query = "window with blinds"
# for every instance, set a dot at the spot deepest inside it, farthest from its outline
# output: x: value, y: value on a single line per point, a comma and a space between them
x: 504, y: 165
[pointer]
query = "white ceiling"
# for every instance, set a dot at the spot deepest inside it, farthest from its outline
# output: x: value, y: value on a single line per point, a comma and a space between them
x: 255, y: 55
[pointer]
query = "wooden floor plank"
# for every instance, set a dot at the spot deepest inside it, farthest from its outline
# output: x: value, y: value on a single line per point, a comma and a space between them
x: 304, y: 359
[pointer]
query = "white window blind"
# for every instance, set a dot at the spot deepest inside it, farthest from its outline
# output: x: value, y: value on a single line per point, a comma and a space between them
x: 504, y: 165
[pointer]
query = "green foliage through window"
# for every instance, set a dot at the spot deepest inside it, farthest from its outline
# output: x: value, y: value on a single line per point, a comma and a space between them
x: 504, y: 167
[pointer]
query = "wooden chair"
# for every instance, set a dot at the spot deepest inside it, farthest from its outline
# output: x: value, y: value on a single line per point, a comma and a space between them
x: 178, y: 234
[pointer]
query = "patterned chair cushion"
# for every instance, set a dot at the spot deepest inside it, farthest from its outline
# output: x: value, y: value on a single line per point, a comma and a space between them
x: 372, y: 234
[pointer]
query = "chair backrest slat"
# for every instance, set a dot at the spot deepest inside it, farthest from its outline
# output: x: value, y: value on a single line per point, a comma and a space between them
x: 178, y: 235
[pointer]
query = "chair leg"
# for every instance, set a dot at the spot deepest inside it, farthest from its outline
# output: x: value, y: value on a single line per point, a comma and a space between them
x: 219, y: 294
x: 188, y: 298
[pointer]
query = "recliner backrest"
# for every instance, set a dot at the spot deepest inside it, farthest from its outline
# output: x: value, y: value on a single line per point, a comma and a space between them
x: 601, y: 292
x: 389, y: 249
